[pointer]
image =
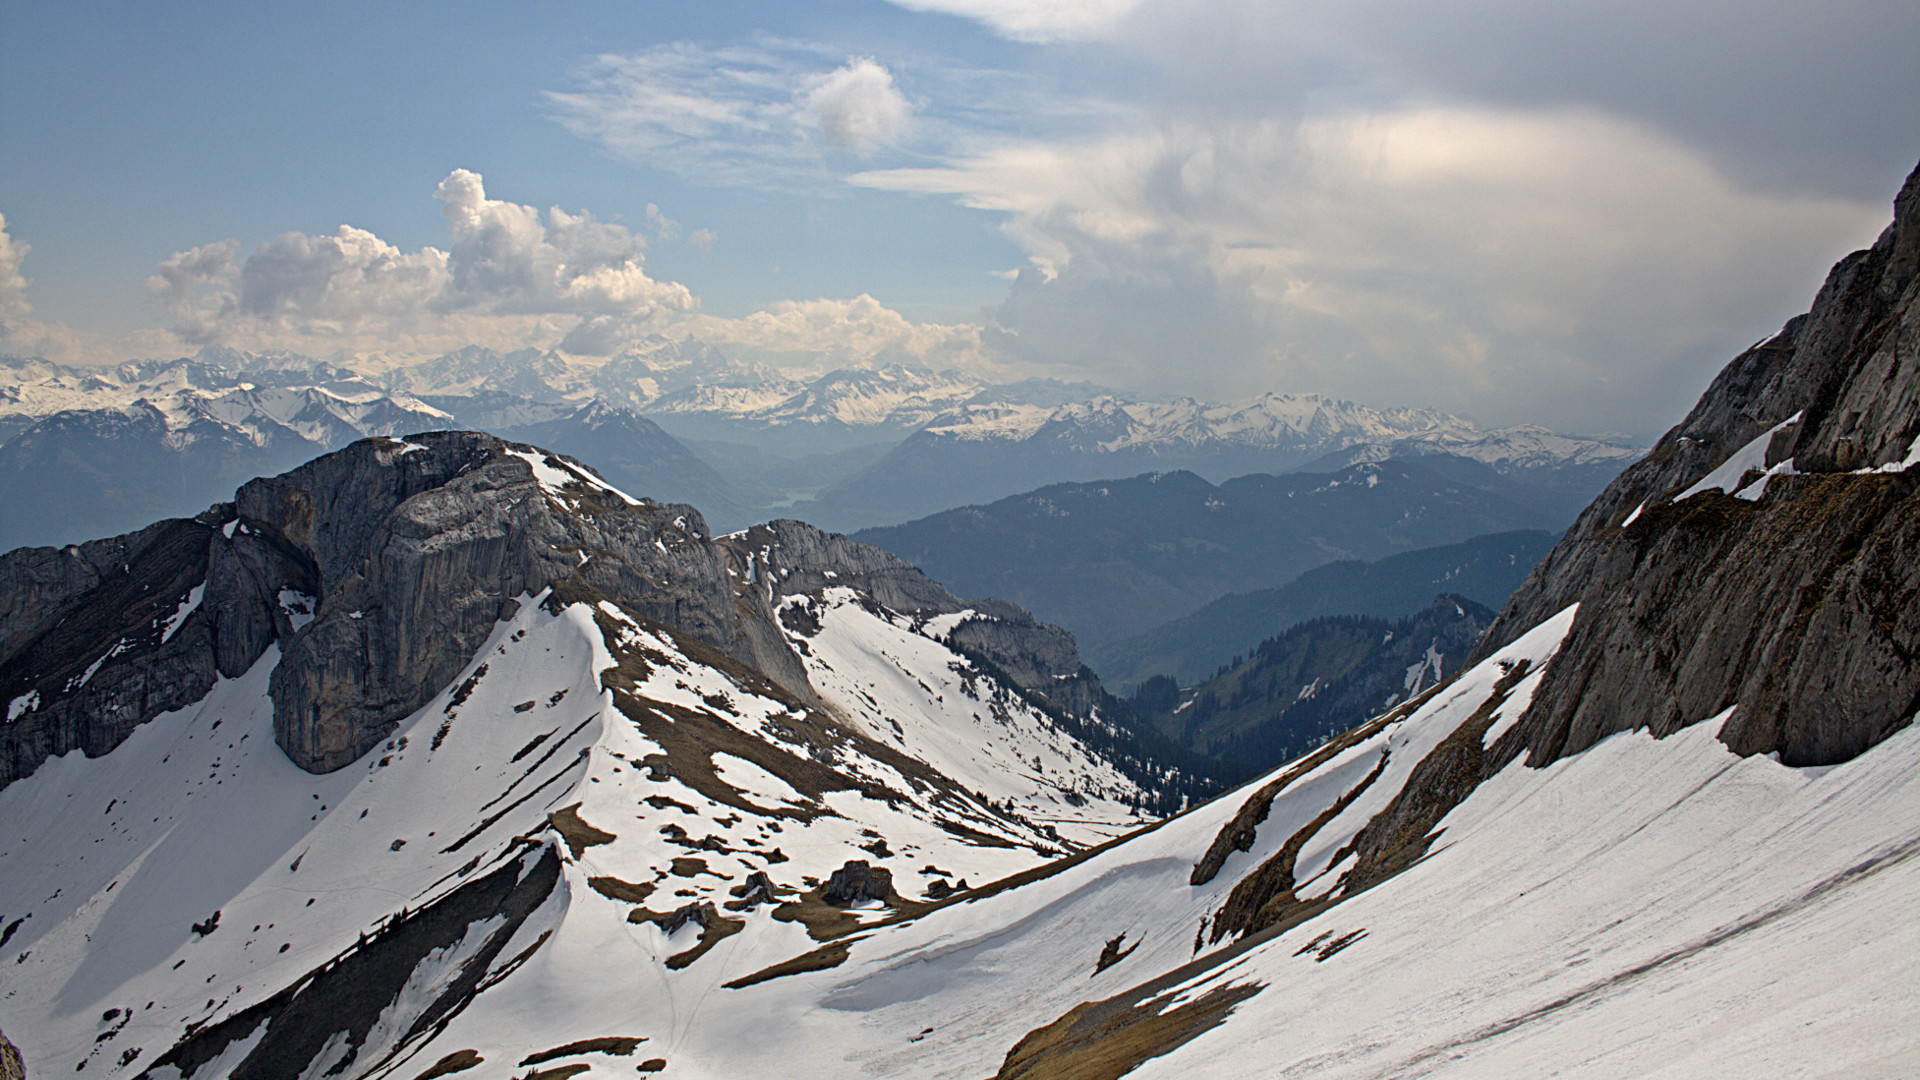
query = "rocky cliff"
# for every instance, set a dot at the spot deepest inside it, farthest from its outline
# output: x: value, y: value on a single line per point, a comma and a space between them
x: 380, y: 569
x: 1766, y: 554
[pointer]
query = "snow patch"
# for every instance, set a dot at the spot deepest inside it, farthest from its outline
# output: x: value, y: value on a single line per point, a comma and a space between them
x: 187, y: 607
x: 555, y: 475
x: 299, y: 607
x: 26, y: 703
x: 1748, y: 458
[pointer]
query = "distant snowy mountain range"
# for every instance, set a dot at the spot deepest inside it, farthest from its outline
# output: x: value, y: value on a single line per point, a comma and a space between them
x: 848, y: 449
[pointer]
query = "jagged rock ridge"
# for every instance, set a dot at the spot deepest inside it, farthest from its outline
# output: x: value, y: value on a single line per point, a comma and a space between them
x: 1788, y: 593
x: 378, y: 570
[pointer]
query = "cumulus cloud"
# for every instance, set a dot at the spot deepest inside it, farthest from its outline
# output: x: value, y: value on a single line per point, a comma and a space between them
x: 511, y: 274
x: 856, y: 107
x: 13, y: 286
x: 507, y: 258
x: 1558, y: 265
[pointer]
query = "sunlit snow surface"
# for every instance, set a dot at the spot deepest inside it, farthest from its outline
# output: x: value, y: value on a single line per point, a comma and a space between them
x: 107, y: 865
x: 1645, y: 908
x: 908, y: 690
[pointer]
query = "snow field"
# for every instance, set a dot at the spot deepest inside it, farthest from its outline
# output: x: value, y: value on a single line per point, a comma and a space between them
x: 1645, y: 908
x: 907, y: 689
x: 199, y: 812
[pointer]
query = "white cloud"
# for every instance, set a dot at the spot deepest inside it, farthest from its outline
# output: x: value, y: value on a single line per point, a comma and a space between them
x: 822, y: 334
x: 1036, y: 20
x: 181, y: 274
x: 728, y: 115
x: 13, y: 286
x: 772, y: 113
x: 856, y: 107
x: 1562, y: 266
x: 510, y: 275
x: 508, y: 259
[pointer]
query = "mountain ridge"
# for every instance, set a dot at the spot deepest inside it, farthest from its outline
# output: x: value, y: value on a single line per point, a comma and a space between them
x: 1485, y: 569
x: 1111, y: 558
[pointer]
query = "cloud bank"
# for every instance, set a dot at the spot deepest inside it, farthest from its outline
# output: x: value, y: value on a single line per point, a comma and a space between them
x: 509, y: 272
x: 1510, y: 264
x: 511, y: 276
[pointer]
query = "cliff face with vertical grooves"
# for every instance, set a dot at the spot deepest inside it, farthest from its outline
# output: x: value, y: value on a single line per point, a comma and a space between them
x: 1765, y: 556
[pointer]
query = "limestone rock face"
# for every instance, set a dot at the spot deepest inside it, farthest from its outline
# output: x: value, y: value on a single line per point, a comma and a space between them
x: 99, y: 638
x: 414, y: 551
x: 1792, y: 600
x: 379, y: 570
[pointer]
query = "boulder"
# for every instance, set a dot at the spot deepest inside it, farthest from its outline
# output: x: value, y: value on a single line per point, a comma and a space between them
x: 857, y: 882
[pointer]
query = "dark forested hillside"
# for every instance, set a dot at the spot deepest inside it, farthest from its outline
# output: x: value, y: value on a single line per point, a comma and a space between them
x: 1485, y: 569
x: 1110, y: 559
x: 1320, y: 678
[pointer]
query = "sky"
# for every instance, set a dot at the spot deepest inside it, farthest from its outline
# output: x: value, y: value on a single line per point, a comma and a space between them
x: 1569, y: 214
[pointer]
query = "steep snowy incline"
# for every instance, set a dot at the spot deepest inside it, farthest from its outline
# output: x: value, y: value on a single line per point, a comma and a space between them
x: 199, y: 870
x: 1644, y: 908
x: 898, y: 678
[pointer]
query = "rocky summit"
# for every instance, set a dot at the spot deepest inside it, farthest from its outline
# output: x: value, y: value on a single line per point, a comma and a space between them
x: 442, y: 755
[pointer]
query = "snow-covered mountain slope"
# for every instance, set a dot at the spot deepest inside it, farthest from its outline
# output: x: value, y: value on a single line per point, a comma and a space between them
x: 584, y: 763
x: 1635, y: 910
x: 167, y: 439
x: 255, y: 391
x: 1281, y: 421
x: 948, y: 438
x: 639, y: 771
x: 1648, y: 908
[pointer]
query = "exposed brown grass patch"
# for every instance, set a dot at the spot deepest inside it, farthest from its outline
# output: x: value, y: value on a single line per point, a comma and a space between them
x: 458, y: 1061
x: 617, y: 1045
x: 627, y: 891
x: 576, y: 832
x: 1105, y: 1040
x: 559, y: 1073
x: 820, y: 959
x: 713, y: 931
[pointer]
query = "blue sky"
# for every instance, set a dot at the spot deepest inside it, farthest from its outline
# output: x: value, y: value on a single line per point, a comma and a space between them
x: 1570, y: 215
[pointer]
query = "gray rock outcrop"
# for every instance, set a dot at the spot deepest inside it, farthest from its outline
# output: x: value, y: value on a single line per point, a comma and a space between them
x: 1796, y: 606
x: 857, y: 882
x: 380, y: 569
